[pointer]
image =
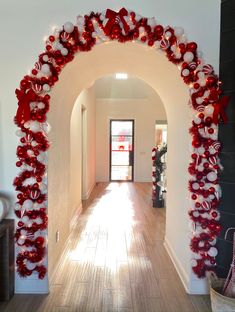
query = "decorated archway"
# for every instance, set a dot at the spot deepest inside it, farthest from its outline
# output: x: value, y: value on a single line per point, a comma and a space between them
x: 34, y: 103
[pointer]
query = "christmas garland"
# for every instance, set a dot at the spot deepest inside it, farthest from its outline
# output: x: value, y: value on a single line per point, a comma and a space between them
x: 33, y: 105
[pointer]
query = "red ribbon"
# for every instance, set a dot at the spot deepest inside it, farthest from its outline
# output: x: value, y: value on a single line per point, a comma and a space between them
x: 219, y: 110
x: 24, y: 99
x: 113, y: 17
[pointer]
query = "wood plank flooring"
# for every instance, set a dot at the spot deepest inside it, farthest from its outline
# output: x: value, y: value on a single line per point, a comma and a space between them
x: 115, y: 260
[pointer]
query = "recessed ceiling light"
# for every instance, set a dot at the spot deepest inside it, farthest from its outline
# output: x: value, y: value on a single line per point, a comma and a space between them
x: 121, y: 76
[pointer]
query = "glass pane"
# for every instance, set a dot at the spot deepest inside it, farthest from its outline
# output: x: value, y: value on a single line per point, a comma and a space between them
x: 120, y: 158
x: 122, y: 143
x: 121, y: 173
x: 121, y: 127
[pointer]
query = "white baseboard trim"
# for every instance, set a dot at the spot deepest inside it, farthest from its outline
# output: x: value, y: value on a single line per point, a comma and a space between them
x: 75, y: 217
x: 88, y: 193
x: 180, y: 270
x: 192, y: 284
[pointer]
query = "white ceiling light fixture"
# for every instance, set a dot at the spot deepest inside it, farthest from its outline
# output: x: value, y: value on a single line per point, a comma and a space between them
x: 122, y: 76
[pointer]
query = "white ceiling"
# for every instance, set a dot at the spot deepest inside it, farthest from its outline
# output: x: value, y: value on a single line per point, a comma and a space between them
x: 132, y: 88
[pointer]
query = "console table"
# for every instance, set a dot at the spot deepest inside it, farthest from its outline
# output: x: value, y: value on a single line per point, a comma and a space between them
x: 7, y: 263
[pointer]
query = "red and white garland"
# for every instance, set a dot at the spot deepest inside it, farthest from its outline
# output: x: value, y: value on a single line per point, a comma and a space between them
x: 154, y: 183
x: 31, y: 116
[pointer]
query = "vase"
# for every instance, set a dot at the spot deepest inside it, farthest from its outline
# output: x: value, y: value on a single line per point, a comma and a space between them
x: 3, y: 208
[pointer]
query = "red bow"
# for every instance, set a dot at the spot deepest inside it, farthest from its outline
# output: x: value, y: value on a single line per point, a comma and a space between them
x: 219, y: 110
x: 113, y: 18
x: 23, y: 111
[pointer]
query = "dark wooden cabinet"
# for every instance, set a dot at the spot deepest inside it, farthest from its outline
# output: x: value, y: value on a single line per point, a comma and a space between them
x: 7, y: 262
x: 227, y: 136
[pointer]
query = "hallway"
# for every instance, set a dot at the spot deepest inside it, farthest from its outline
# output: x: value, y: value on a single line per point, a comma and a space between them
x: 115, y: 260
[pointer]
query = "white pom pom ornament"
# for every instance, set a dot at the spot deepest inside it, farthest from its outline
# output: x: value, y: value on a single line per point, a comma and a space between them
x: 195, y: 186
x: 211, y: 176
x: 64, y: 51
x: 188, y: 57
x: 45, y: 69
x: 34, y: 126
x: 68, y: 27
x: 179, y: 31
x: 213, y: 252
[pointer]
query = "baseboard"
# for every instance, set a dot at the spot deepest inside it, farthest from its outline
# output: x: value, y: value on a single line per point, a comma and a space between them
x: 179, y: 268
x: 88, y: 193
x: 75, y: 217
x: 192, y: 284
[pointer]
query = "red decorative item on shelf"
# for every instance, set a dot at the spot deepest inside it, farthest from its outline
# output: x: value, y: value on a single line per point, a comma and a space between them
x: 33, y: 100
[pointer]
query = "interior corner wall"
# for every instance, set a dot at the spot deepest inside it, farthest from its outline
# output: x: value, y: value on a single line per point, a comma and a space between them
x: 144, y: 112
x: 65, y: 171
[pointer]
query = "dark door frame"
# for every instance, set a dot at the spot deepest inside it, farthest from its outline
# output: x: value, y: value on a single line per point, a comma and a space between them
x: 110, y: 148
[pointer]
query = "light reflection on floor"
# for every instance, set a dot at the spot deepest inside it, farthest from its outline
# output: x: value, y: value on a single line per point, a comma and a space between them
x: 112, y: 218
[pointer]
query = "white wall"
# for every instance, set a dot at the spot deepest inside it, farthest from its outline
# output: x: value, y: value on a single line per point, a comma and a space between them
x: 145, y: 112
x: 81, y: 186
x: 23, y: 25
x: 65, y: 168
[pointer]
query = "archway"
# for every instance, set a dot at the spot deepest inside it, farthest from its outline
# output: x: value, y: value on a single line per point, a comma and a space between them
x: 204, y: 98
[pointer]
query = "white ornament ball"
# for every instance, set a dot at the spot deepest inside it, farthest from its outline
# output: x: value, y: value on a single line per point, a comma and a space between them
x: 179, y: 31
x: 45, y: 69
x: 27, y: 124
x: 46, y: 87
x: 199, y: 100
x: 34, y: 126
x: 28, y: 204
x: 41, y: 105
x: 202, y: 82
x: 151, y: 21
x: 178, y: 55
x: 45, y: 58
x: 193, y: 263
x: 196, y: 214
x: 209, y: 110
x: 213, y: 252
x: 201, y: 244
x: 19, y: 133
x: 195, y: 186
x: 41, y: 157
x: 183, y: 39
x: 211, y: 176
x: 69, y: 27
x: 188, y: 57
x: 43, y: 187
x: 30, y: 266
x: 185, y: 72
x: 167, y: 34
x: 64, y: 51
x: 201, y: 74
x: 212, y: 243
x: 30, y: 152
x: 25, y: 219
x: 197, y: 120
x: 201, y: 150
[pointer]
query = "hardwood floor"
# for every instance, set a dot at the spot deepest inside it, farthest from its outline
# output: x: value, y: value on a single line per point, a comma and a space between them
x: 115, y: 260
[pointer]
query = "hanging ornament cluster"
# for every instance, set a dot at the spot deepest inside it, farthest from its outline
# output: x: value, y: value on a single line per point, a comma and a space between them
x: 31, y: 118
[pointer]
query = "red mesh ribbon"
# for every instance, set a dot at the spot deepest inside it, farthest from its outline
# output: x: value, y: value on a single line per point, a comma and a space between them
x: 113, y: 18
x: 23, y: 111
x: 219, y: 110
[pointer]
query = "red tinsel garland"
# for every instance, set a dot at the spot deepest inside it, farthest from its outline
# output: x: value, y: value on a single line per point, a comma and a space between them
x: 33, y: 101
